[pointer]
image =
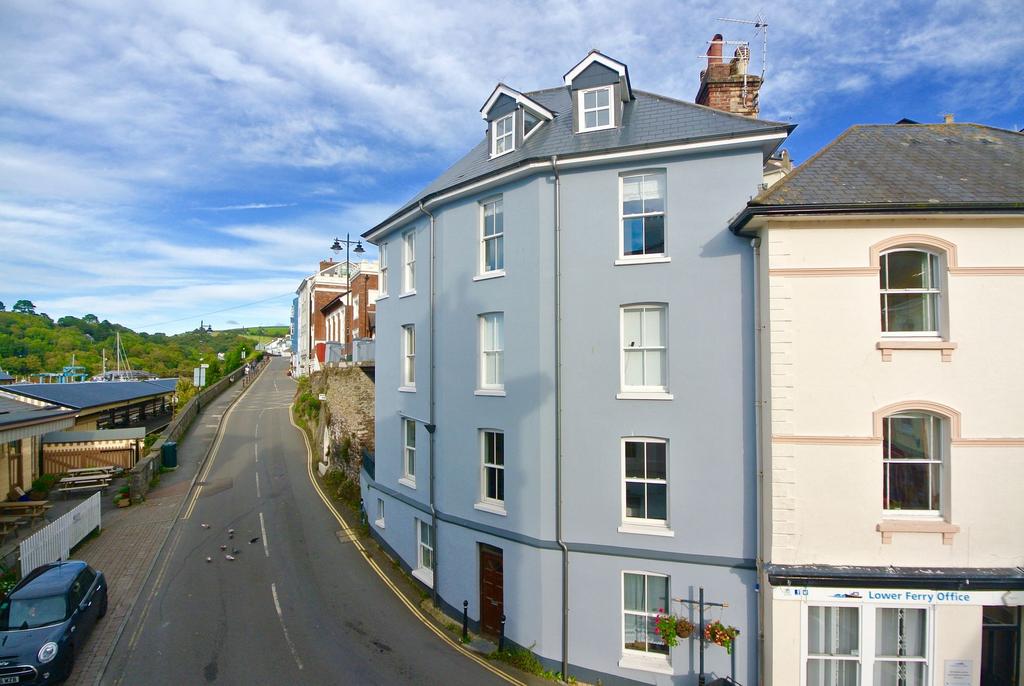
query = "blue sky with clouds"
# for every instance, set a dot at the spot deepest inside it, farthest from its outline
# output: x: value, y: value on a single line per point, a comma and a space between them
x: 163, y: 161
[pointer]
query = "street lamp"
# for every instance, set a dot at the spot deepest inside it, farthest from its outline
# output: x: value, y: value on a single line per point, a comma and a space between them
x: 336, y: 247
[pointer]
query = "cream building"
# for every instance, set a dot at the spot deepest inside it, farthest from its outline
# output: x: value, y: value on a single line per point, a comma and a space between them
x: 890, y: 271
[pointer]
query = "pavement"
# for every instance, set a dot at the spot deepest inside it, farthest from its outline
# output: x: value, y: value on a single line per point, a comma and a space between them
x: 131, y: 537
x: 298, y: 604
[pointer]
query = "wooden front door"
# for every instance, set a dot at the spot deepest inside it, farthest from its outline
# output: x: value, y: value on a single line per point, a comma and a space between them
x: 492, y: 582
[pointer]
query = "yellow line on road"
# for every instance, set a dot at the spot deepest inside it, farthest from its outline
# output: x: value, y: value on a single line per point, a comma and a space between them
x: 373, y: 564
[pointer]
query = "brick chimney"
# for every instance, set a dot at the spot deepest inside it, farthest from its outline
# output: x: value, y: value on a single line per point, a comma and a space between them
x: 327, y: 264
x: 728, y: 87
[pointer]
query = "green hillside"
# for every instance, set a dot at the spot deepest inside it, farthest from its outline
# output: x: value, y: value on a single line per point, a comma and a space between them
x: 33, y: 343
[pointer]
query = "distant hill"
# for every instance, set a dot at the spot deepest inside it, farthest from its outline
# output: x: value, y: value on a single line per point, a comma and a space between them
x: 34, y: 343
x: 260, y: 334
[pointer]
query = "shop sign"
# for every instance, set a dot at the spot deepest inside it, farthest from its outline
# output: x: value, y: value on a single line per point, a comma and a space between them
x: 957, y: 673
x: 896, y: 596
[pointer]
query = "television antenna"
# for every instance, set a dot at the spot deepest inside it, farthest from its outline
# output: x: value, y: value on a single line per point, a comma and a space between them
x: 760, y: 25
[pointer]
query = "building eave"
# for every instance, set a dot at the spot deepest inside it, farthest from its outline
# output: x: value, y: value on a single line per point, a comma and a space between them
x: 753, y: 216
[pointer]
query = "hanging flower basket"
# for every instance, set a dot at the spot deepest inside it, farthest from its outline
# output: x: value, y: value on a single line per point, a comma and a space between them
x: 671, y: 628
x: 720, y: 634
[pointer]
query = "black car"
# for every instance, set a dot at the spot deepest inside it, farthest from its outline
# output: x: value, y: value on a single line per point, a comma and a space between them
x: 46, y: 618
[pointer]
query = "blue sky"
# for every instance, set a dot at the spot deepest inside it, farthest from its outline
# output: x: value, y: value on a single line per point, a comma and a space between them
x: 162, y: 162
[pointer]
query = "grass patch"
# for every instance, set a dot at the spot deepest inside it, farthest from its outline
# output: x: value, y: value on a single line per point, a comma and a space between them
x: 524, y: 660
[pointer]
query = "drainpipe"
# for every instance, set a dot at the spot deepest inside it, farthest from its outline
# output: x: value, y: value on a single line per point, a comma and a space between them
x: 431, y: 425
x: 755, y: 243
x: 558, y: 418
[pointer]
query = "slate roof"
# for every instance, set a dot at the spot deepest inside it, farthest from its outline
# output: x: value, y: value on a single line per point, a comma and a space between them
x: 137, y: 433
x: 905, y: 166
x: 648, y: 120
x: 14, y: 412
x: 964, y: 578
x: 86, y: 394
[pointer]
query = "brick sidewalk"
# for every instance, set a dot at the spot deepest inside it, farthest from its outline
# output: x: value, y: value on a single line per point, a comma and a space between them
x: 133, y: 537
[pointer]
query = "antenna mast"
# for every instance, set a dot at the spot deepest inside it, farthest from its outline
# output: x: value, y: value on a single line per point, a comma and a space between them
x: 760, y: 25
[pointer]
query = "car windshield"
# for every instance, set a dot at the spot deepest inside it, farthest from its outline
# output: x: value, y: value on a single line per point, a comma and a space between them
x: 29, y: 613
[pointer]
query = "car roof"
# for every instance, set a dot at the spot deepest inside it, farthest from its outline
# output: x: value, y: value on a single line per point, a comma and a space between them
x: 51, y: 579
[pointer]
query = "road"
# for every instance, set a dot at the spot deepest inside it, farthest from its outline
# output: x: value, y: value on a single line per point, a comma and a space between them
x: 296, y: 606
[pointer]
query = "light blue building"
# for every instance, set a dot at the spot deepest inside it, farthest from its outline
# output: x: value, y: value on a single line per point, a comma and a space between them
x: 565, y: 425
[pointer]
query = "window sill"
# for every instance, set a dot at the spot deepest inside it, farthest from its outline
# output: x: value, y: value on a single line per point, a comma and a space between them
x: 489, y: 275
x: 646, y: 530
x: 406, y: 389
x: 495, y: 155
x: 641, y: 260
x: 379, y: 523
x: 407, y: 294
x: 887, y: 345
x: 382, y: 297
x: 887, y: 527
x: 494, y: 392
x: 493, y: 509
x: 646, y: 663
x: 424, y: 575
x: 644, y: 395
x: 597, y: 128
x: 408, y: 483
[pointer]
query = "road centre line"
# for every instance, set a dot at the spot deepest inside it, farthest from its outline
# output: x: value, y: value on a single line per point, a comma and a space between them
x: 257, y: 484
x: 357, y: 544
x: 263, y: 531
x: 280, y: 617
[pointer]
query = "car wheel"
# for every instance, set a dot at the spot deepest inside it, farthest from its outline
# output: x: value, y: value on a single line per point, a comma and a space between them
x: 70, y: 664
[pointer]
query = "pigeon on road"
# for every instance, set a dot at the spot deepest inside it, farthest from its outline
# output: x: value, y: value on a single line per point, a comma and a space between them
x: 205, y: 525
x: 229, y: 557
x: 253, y: 540
x: 209, y: 559
x: 223, y: 547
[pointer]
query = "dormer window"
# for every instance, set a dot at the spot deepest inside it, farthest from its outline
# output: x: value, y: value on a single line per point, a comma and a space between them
x: 530, y: 122
x: 596, y: 109
x: 504, y: 135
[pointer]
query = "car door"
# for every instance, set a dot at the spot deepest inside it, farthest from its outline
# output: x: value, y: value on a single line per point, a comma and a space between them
x: 78, y: 600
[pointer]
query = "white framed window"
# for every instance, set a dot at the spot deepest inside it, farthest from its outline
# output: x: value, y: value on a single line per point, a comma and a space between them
x: 380, y: 513
x: 383, y: 280
x: 424, y: 552
x: 596, y: 109
x: 492, y: 458
x: 866, y: 645
x: 643, y: 597
x: 492, y: 236
x: 911, y: 290
x: 913, y: 445
x: 409, y: 262
x: 530, y: 123
x: 492, y: 351
x: 503, y: 135
x: 409, y: 450
x: 409, y: 356
x: 643, y: 215
x: 645, y: 482
x: 645, y: 348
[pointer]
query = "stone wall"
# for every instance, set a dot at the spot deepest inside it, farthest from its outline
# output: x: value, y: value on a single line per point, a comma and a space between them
x: 347, y: 412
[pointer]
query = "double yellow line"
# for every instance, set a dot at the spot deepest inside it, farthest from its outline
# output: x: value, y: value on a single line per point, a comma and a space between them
x: 384, y: 577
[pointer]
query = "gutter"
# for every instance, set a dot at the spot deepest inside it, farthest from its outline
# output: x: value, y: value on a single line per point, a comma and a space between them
x: 558, y: 417
x: 431, y: 424
x: 755, y: 243
x: 739, y: 223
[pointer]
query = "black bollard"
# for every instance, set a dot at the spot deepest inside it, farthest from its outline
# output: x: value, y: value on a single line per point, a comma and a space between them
x: 501, y: 636
x: 465, y: 621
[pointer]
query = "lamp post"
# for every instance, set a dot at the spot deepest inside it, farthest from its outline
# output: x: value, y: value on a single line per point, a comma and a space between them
x: 336, y: 247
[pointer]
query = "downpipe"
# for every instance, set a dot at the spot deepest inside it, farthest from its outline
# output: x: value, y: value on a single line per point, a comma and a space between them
x: 431, y: 424
x: 558, y: 417
x: 761, y: 587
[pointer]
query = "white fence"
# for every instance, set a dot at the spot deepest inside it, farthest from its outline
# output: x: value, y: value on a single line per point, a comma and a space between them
x: 55, y: 541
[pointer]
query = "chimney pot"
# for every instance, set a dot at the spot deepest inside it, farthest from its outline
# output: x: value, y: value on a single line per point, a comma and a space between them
x: 715, y: 49
x: 728, y: 87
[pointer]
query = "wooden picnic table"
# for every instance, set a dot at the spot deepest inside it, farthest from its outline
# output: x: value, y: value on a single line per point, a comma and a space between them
x: 92, y: 470
x: 24, y: 505
x: 84, y: 479
x: 11, y: 519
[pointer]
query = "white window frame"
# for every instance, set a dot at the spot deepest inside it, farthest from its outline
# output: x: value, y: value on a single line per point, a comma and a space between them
x: 866, y: 626
x: 646, y: 389
x: 644, y: 257
x: 939, y: 450
x: 486, y: 466
x: 935, y: 263
x: 380, y: 513
x: 408, y: 357
x: 486, y: 352
x: 642, y: 521
x: 540, y: 122
x: 505, y: 138
x: 383, y: 281
x: 642, y: 659
x: 408, y: 452
x: 424, y: 568
x: 583, y: 110
x: 409, y: 263
x: 499, y: 237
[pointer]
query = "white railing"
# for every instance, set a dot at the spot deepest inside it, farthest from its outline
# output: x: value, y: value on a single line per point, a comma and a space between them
x: 55, y: 541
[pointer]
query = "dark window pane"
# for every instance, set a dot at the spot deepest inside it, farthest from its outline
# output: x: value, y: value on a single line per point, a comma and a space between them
x: 492, y: 483
x: 908, y: 487
x: 499, y: 448
x: 910, y: 438
x: 908, y: 269
x: 655, y: 460
x: 635, y: 499
x: 657, y: 501
x: 911, y: 311
x: 633, y: 236
x: 654, y: 234
x: 501, y: 484
x: 634, y: 459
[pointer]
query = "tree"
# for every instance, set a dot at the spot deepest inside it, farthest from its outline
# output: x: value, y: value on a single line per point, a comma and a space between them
x: 1, y: 306
x: 24, y: 306
x: 91, y: 319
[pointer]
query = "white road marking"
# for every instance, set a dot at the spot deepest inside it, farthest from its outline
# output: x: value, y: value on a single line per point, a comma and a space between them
x: 280, y: 617
x: 257, y: 484
x: 263, y: 530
